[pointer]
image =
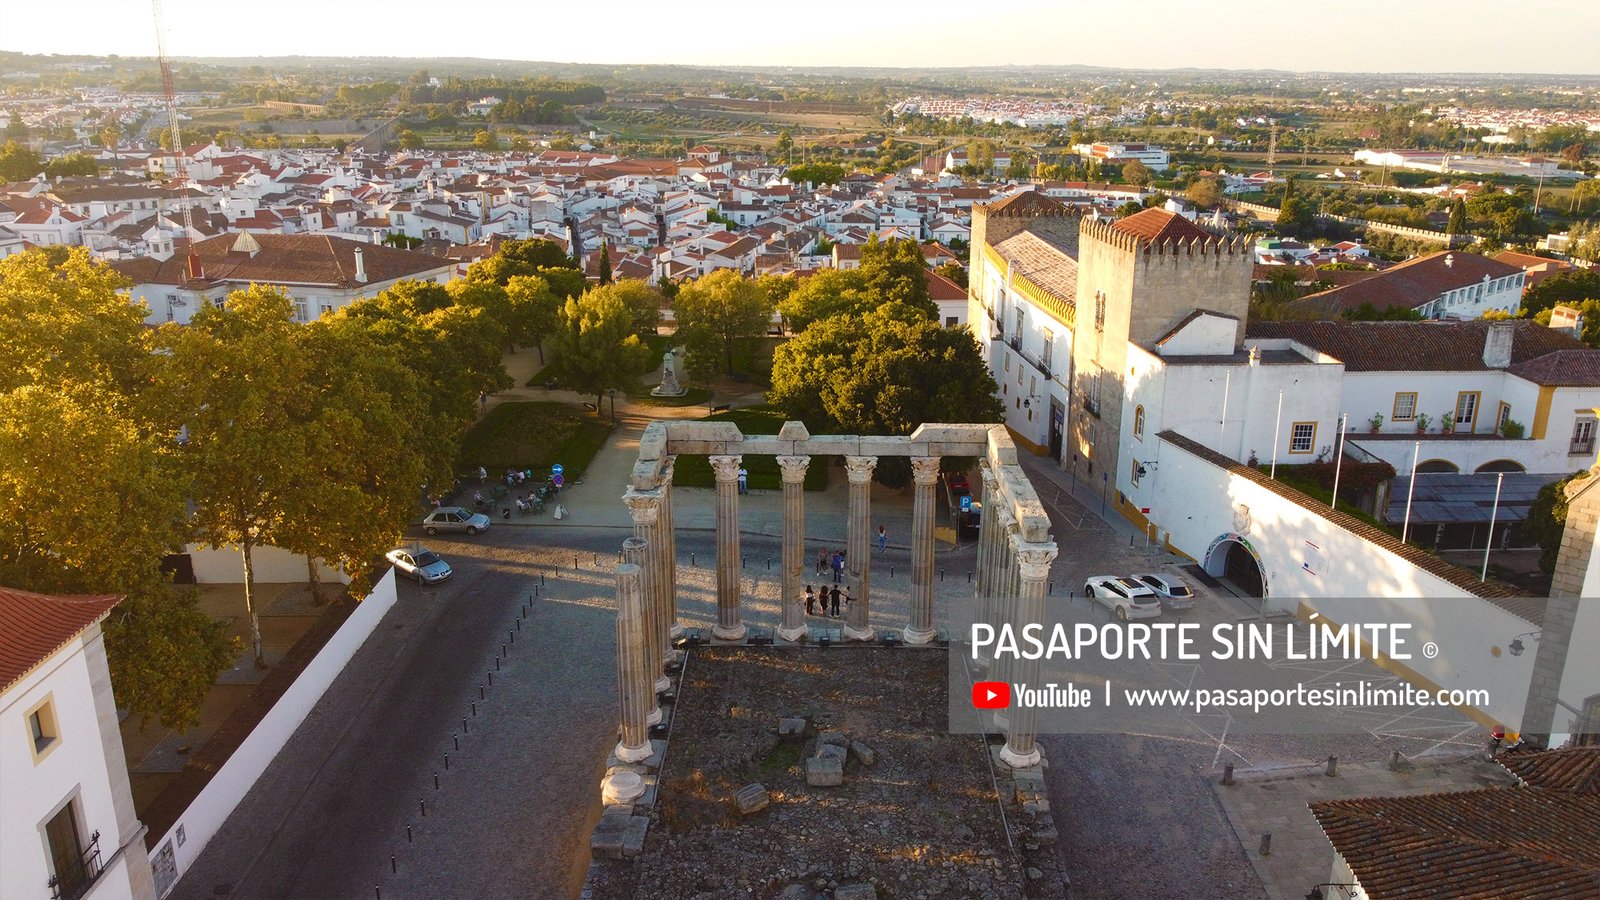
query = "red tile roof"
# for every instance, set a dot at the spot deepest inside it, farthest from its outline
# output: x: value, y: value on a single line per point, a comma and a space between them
x: 1157, y: 226
x: 1415, y: 346
x: 942, y: 288
x: 1574, y: 770
x: 34, y: 626
x: 1563, y: 368
x: 1498, y: 842
x: 289, y: 259
x: 1412, y: 283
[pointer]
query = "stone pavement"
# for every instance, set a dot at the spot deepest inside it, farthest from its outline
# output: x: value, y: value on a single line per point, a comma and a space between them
x: 1275, y: 801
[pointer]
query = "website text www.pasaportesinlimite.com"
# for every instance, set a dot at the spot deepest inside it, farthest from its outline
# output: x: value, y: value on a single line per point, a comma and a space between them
x: 1201, y: 700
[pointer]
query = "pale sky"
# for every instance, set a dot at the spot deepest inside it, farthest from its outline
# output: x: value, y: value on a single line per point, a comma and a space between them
x: 1517, y: 36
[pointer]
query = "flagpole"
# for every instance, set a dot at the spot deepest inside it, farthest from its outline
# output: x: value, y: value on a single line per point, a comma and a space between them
x: 1277, y: 430
x: 1405, y: 530
x: 1493, y: 514
x: 1338, y: 462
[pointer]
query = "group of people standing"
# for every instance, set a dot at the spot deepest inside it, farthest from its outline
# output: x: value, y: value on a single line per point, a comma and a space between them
x: 826, y: 602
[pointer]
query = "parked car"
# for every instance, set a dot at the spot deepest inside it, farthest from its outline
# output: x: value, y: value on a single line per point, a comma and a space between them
x: 421, y: 564
x: 1126, y: 598
x: 1171, y: 590
x: 454, y: 518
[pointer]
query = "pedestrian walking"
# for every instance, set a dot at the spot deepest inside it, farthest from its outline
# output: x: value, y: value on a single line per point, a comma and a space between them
x: 810, y: 599
x: 744, y: 480
x: 822, y: 563
x: 883, y: 538
x: 838, y: 567
x: 834, y: 596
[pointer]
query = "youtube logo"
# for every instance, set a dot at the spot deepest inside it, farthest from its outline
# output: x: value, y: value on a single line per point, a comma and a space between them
x: 991, y: 695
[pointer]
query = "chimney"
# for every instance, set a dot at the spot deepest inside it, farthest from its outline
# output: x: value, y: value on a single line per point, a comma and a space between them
x: 1449, y: 260
x: 1567, y: 319
x: 361, y: 269
x: 1497, y: 344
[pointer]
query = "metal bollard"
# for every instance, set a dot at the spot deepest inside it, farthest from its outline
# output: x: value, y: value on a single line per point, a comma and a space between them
x: 969, y: 576
x: 691, y: 557
x: 519, y: 624
x: 769, y: 564
x: 502, y: 650
x: 408, y: 834
x: 1050, y: 588
x: 1333, y: 766
x: 491, y: 679
x: 1227, y: 774
x: 464, y: 728
x: 474, y: 709
x: 436, y: 781
x: 497, y: 663
x: 1266, y: 844
x: 423, y: 805
x: 480, y: 692
x: 392, y: 866
x: 594, y: 559
x: 941, y: 573
x: 541, y: 579
x: 891, y: 571
x: 378, y: 892
x: 447, y: 762
x: 513, y: 636
x: 574, y: 562
x: 456, y: 740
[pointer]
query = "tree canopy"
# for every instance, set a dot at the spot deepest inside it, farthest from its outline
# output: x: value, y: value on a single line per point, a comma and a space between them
x: 598, y: 346
x: 1562, y: 287
x: 715, y: 314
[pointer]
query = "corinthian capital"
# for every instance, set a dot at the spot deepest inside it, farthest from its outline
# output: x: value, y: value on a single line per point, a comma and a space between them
x: 643, y: 506
x: 726, y: 467
x: 793, y: 468
x: 859, y: 468
x: 924, y: 469
x: 1033, y: 560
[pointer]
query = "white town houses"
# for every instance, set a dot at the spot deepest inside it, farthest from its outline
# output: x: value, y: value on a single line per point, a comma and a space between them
x: 1104, y: 336
x: 320, y: 272
x: 69, y: 828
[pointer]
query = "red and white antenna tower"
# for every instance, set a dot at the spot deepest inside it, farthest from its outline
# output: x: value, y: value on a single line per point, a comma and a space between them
x: 192, y: 268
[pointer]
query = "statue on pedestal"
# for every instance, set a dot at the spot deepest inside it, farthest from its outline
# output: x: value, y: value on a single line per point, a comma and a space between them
x: 669, y: 386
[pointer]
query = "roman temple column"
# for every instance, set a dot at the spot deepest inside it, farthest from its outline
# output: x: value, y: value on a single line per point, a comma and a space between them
x: 635, y: 684
x: 1033, y: 568
x: 924, y: 472
x: 728, y: 627
x: 669, y: 555
x: 1003, y: 610
x: 990, y: 535
x: 858, y: 546
x: 645, y: 509
x: 794, y: 544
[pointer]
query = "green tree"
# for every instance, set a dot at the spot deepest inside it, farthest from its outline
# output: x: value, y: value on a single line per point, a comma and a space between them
x: 238, y: 382
x: 535, y: 311
x: 485, y: 141
x: 67, y: 166
x: 884, y: 372
x: 1136, y: 173
x: 895, y: 271
x: 410, y: 140
x: 715, y: 314
x: 520, y: 257
x: 1205, y: 193
x: 597, y: 346
x: 785, y: 142
x: 980, y: 156
x: 954, y: 271
x: 605, y: 263
x: 643, y: 303
x: 815, y: 173
x: 1547, y: 519
x: 1458, y: 218
x: 1563, y: 287
x: 1589, y: 309
x: 828, y: 292
x: 1020, y: 167
x: 18, y: 163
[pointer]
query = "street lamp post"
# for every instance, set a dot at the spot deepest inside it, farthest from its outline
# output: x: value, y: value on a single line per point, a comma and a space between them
x: 613, y: 393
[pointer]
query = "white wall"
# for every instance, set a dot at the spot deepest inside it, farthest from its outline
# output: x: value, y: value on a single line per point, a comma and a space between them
x: 76, y: 767
x: 206, y: 815
x: 272, y: 566
x: 1198, y: 503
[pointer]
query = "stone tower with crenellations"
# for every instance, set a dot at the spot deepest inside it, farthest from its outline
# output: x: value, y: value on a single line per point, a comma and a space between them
x: 1138, y: 279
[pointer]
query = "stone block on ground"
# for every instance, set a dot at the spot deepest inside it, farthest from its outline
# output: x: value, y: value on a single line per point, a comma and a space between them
x: 832, y: 751
x: 833, y: 738
x: 855, y: 892
x: 791, y: 727
x: 618, y: 835
x: 751, y: 799
x: 866, y: 755
x: 824, y: 772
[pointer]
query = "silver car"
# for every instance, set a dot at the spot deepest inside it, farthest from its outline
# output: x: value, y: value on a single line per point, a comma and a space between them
x: 1173, y: 592
x: 454, y: 518
x: 1126, y: 598
x: 420, y: 563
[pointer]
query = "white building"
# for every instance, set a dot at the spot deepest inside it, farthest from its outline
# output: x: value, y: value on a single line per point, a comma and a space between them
x: 320, y: 272
x: 1443, y: 285
x: 67, y: 821
x: 1121, y: 154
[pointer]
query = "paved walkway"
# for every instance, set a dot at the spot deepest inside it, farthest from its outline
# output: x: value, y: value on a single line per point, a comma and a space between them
x: 1275, y: 801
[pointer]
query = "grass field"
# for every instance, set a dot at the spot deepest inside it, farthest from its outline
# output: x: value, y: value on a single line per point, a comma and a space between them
x: 695, y: 470
x: 533, y: 435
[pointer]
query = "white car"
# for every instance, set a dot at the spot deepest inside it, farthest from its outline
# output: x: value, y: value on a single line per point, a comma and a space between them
x: 1174, y: 594
x: 420, y: 563
x: 1126, y: 598
x: 454, y: 518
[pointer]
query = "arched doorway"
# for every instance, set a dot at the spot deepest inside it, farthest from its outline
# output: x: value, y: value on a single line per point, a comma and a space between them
x: 1233, y: 561
x: 1501, y: 465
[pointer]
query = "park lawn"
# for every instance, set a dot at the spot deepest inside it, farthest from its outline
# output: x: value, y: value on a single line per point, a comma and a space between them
x: 694, y: 470
x: 696, y: 396
x: 533, y: 435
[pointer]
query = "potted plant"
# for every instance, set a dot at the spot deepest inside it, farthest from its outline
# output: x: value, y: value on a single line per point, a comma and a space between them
x: 1447, y: 423
x: 1375, y: 423
x: 1422, y: 423
x: 1512, y: 429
